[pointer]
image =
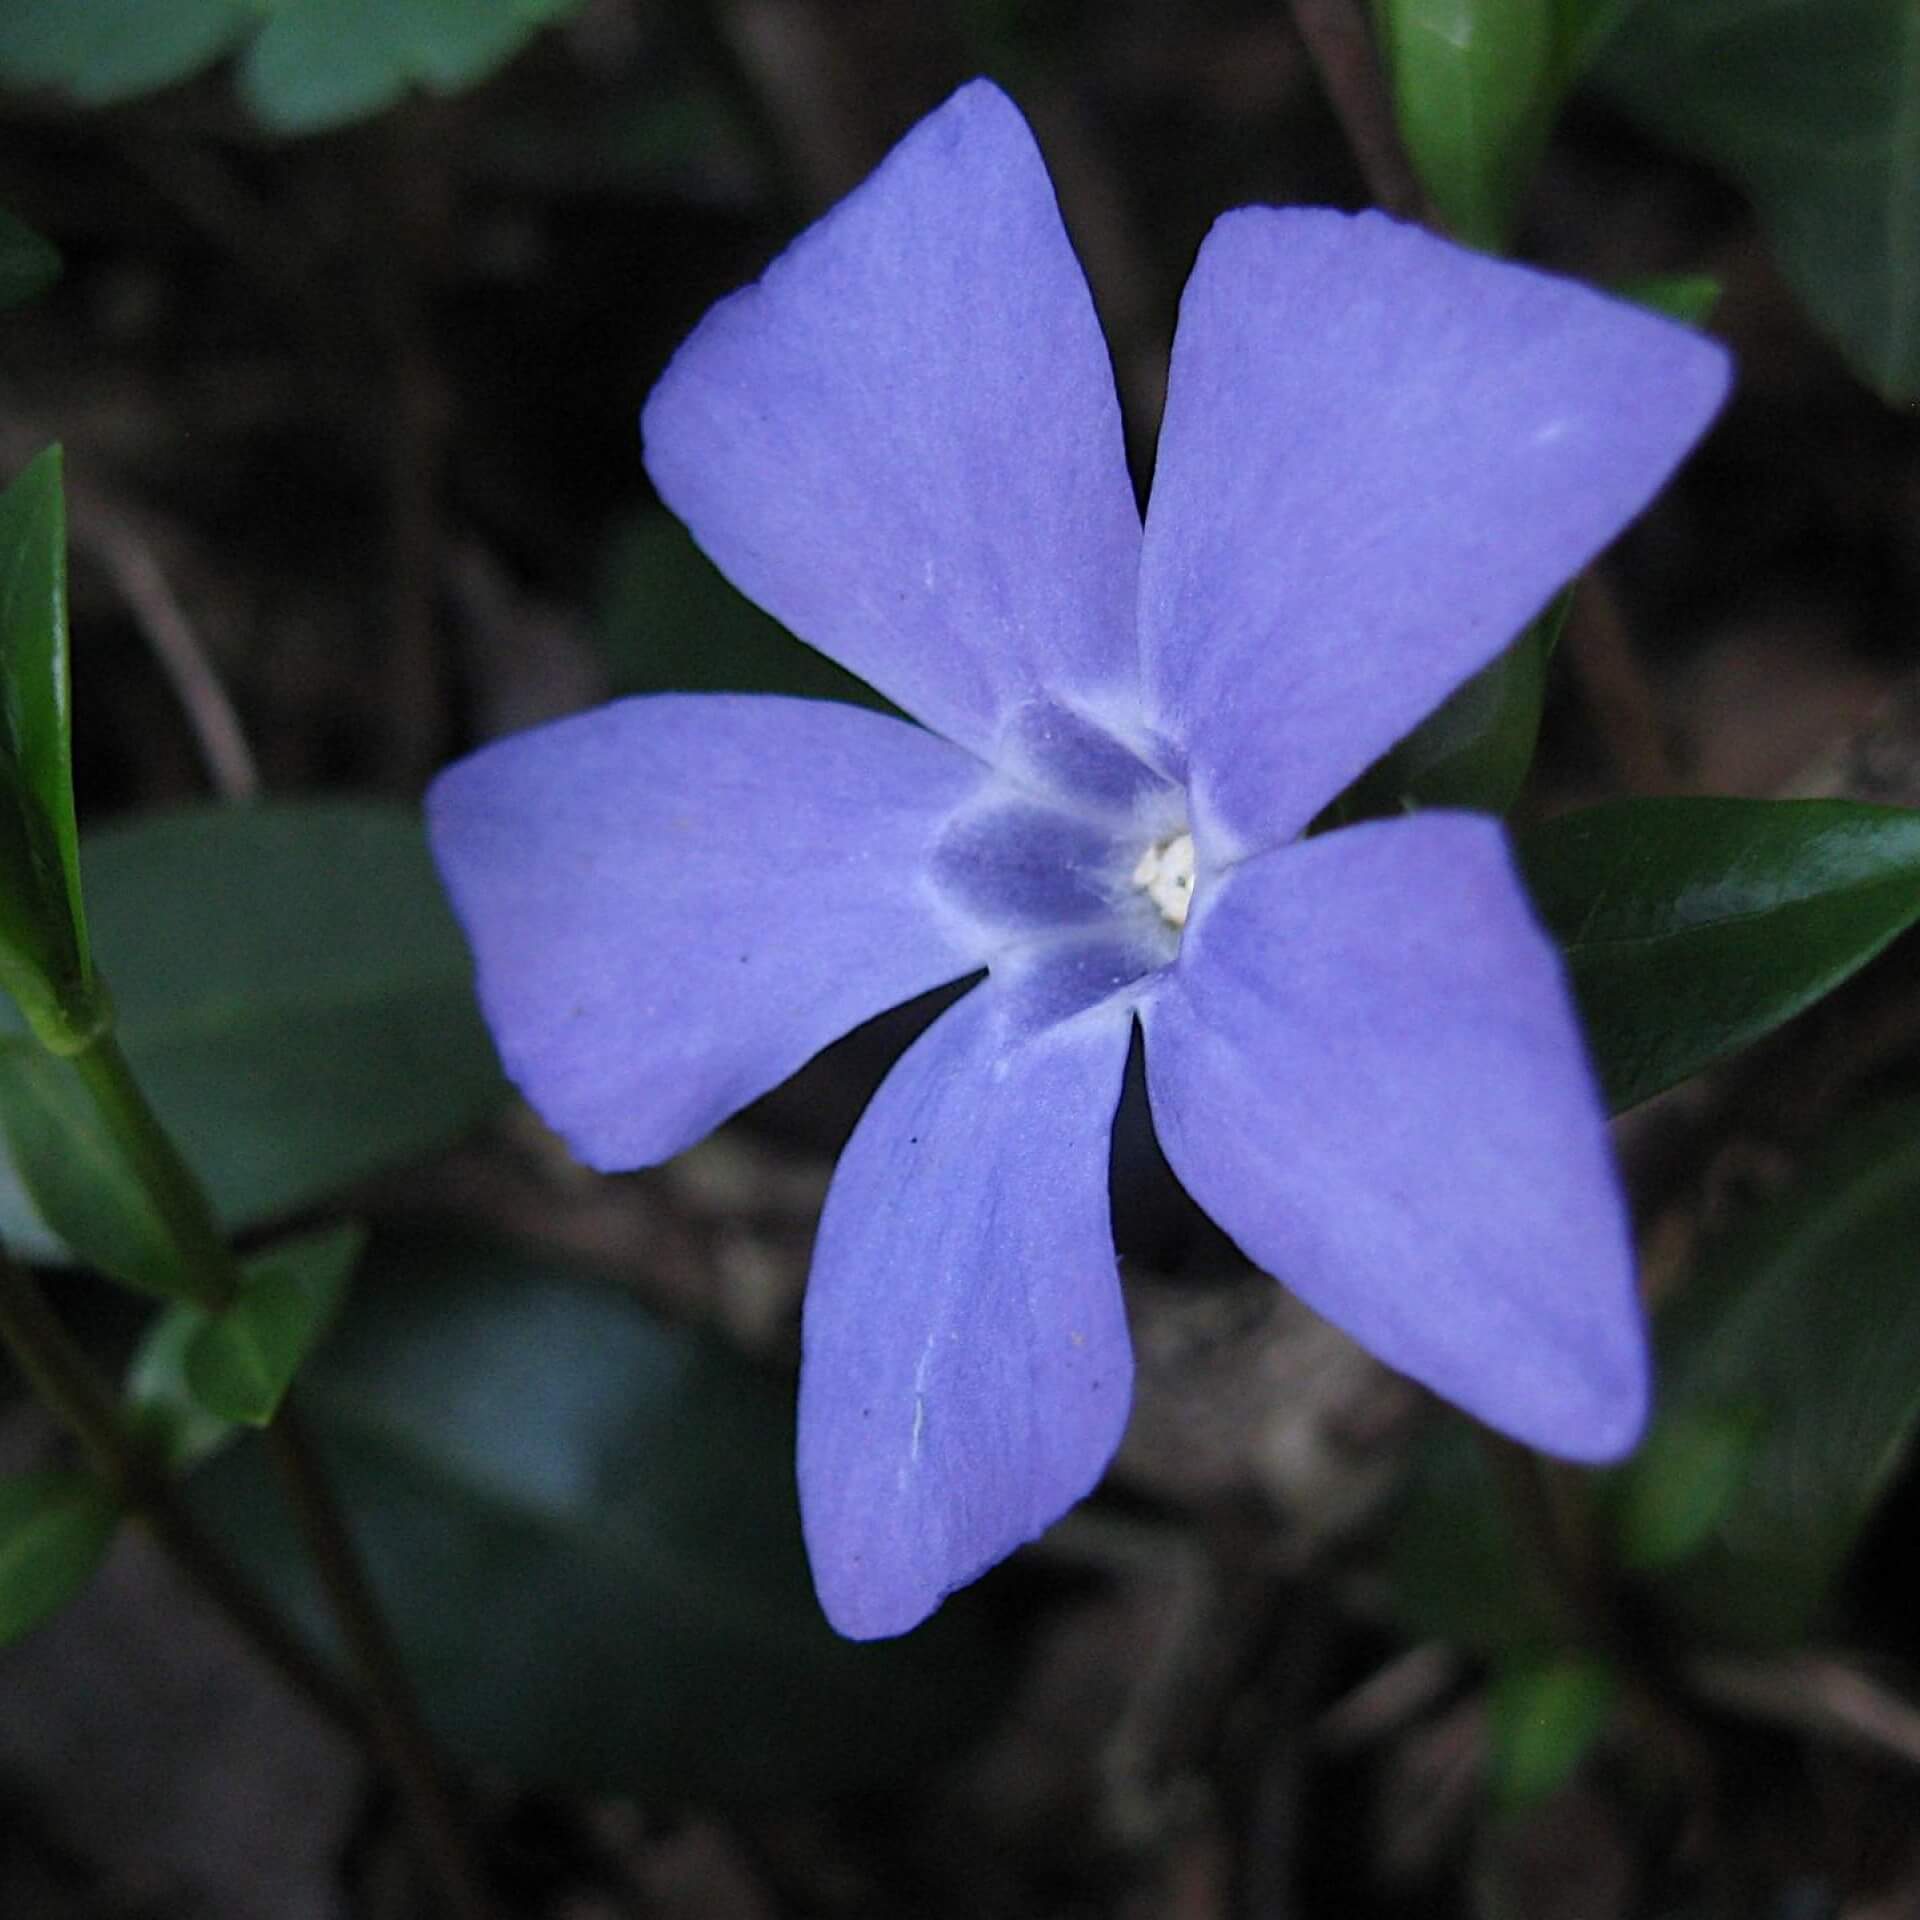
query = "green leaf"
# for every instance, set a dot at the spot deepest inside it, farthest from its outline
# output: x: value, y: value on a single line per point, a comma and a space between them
x: 43, y: 932
x: 294, y: 997
x: 103, y: 51
x: 1680, y: 1485
x: 669, y: 623
x: 28, y: 264
x: 55, y: 1528
x: 1804, y: 1323
x: 1687, y: 297
x: 66, y: 1170
x: 1474, y: 750
x: 1475, y: 87
x: 177, y: 1429
x: 320, y: 63
x: 584, y: 1530
x: 1544, y: 1717
x: 241, y: 1361
x: 1812, y: 107
x: 1692, y: 927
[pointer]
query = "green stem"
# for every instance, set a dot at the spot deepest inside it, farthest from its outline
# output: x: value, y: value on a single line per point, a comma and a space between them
x: 1550, y: 1523
x: 206, y: 1263
x: 63, y: 1377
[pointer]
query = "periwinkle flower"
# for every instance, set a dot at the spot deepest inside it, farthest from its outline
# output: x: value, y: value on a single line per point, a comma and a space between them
x: 1380, y: 455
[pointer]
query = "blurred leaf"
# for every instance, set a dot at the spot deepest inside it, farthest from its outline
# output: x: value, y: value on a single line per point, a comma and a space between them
x: 55, y: 1528
x: 1692, y: 927
x: 1677, y: 1489
x: 1451, y: 1565
x: 320, y: 63
x: 69, y: 1171
x: 670, y: 624
x: 28, y: 264
x: 1544, y: 1718
x: 241, y: 1360
x: 1473, y: 750
x: 43, y: 931
x: 307, y: 64
x: 293, y: 994
x: 1475, y: 87
x: 1809, y: 1314
x: 1686, y: 297
x: 101, y: 51
x: 164, y: 1411
x: 584, y: 1529
x: 1811, y: 107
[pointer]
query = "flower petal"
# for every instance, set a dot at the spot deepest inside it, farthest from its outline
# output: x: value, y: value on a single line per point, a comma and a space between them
x: 1380, y: 456
x: 966, y: 1370
x: 1364, y: 1065
x: 903, y: 442
x: 675, y: 902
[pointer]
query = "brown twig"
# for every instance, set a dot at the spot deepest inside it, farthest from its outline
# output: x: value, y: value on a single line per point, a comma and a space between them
x: 1615, y: 687
x: 1342, y: 51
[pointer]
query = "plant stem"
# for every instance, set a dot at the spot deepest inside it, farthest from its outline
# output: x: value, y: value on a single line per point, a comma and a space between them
x: 1554, y: 1543
x: 1342, y: 52
x: 205, y: 1261
x: 65, y: 1380
x: 397, y: 1719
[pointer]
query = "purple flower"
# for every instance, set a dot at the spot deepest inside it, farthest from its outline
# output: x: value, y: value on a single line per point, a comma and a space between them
x: 1380, y: 456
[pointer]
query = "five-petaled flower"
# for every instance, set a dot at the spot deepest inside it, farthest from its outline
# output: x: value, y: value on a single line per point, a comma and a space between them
x: 1380, y: 455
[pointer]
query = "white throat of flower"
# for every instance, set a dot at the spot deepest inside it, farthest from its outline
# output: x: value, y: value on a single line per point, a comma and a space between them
x: 1165, y: 875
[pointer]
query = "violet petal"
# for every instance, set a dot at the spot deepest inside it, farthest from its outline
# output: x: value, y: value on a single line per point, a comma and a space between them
x: 903, y: 441
x: 1365, y: 1066
x: 675, y: 902
x: 966, y: 1369
x: 1381, y: 455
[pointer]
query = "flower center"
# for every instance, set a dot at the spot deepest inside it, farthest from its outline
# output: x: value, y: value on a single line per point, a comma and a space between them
x: 1165, y: 875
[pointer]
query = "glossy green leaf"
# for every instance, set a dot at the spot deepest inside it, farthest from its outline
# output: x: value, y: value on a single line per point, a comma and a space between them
x: 55, y: 1528
x: 584, y: 1530
x: 242, y: 1359
x: 1805, y: 1322
x: 161, y: 1406
x: 670, y: 623
x: 294, y: 997
x: 102, y: 51
x: 1692, y: 927
x: 29, y: 265
x: 1812, y: 107
x: 320, y: 63
x: 1543, y: 1719
x: 1475, y: 86
x: 43, y: 931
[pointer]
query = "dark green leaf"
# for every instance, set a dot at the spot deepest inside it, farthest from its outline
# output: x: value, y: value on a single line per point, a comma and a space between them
x: 43, y: 931
x: 65, y: 1169
x: 584, y: 1529
x: 28, y: 264
x: 1692, y: 927
x: 319, y: 63
x: 241, y: 1360
x: 1812, y: 107
x: 55, y: 1528
x: 293, y: 994
x: 1804, y: 1323
x: 107, y: 50
x: 1678, y: 1488
x: 1686, y: 297
x: 163, y: 1409
x: 670, y: 624
x: 1544, y: 1717
x: 1475, y: 86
